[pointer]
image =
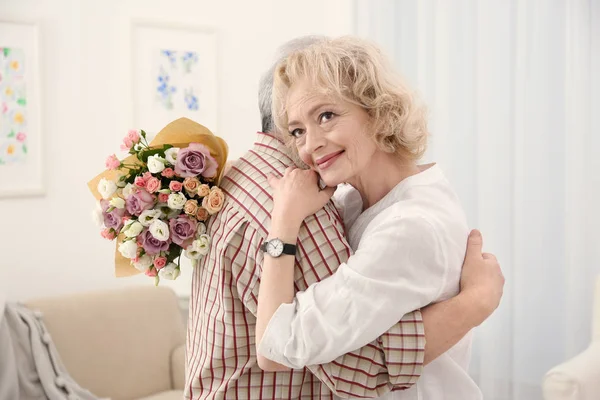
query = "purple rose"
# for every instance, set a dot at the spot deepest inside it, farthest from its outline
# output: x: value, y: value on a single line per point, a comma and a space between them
x: 139, y: 202
x: 183, y: 229
x: 152, y: 245
x: 195, y: 160
x: 113, y: 219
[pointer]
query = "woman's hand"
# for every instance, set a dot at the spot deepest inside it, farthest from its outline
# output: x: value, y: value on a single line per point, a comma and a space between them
x: 296, y: 195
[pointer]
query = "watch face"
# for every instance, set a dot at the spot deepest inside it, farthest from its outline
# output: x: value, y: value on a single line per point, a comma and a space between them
x: 275, y: 247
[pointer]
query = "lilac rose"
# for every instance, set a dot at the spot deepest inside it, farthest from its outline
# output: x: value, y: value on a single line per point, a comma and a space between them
x: 195, y: 160
x: 138, y: 202
x: 152, y: 245
x: 183, y: 230
x: 113, y: 219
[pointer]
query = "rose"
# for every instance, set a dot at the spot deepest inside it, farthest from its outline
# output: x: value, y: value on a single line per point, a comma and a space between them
x: 201, y: 214
x: 133, y: 135
x: 168, y: 173
x: 191, y: 185
x: 151, y: 244
x: 171, y: 272
x: 214, y: 201
x: 106, y: 188
x: 132, y: 229
x: 171, y: 155
x: 153, y: 185
x: 159, y: 230
x: 163, y: 197
x: 112, y: 162
x: 143, y: 263
x: 117, y: 202
x: 127, y: 190
x: 147, y: 217
x: 139, y: 182
x: 176, y: 201
x: 109, y: 234
x: 147, y: 175
x: 128, y: 249
x: 127, y: 143
x: 160, y: 262
x: 203, y: 244
x: 191, y: 207
x: 195, y: 160
x: 156, y: 164
x: 203, y: 190
x: 183, y: 230
x: 114, y: 218
x: 151, y: 272
x: 136, y: 203
x: 175, y: 186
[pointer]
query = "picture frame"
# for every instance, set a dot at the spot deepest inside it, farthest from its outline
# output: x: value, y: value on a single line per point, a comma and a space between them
x: 21, y: 139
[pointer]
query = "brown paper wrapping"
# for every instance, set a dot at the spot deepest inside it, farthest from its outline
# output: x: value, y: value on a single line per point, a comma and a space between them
x: 179, y: 133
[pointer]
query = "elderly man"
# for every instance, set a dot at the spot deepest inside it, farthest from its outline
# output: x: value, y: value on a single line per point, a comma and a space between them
x: 221, y: 352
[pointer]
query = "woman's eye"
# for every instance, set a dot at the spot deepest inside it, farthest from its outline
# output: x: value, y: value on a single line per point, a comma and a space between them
x: 296, y: 132
x: 326, y: 116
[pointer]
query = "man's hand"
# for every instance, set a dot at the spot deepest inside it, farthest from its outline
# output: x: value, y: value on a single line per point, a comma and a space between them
x: 481, y: 280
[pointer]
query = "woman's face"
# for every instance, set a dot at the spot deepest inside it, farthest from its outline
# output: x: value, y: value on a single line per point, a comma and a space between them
x: 331, y: 135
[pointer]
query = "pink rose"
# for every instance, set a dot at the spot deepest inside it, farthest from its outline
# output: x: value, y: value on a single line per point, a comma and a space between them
x: 160, y: 262
x: 127, y: 144
x: 153, y: 185
x: 203, y: 190
x: 163, y: 197
x: 108, y: 234
x: 139, y: 182
x: 214, y: 201
x: 133, y: 135
x: 138, y: 202
x: 196, y: 160
x: 175, y: 186
x: 151, y: 272
x: 202, y: 214
x: 191, y: 207
x: 147, y: 175
x: 168, y: 173
x: 112, y: 162
x: 191, y: 184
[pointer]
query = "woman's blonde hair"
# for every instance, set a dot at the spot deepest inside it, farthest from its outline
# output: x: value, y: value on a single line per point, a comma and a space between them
x: 355, y: 70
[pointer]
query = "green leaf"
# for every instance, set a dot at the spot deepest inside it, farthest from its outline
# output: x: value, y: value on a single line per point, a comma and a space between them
x: 11, y: 134
x: 6, y: 51
x: 25, y: 148
x: 150, y: 152
x: 22, y: 102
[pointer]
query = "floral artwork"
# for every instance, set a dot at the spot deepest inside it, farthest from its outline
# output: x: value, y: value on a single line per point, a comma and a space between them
x: 175, y: 80
x: 13, y: 106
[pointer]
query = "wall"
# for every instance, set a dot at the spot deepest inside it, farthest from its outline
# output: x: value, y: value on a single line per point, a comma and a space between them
x: 49, y: 244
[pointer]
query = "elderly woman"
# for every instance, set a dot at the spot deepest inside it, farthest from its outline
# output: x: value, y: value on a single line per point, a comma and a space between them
x: 352, y: 120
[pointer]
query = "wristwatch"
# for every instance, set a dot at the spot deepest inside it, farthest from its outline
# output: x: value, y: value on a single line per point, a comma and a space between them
x: 275, y: 248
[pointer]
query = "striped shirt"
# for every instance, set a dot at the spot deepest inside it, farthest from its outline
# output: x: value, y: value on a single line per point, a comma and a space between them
x: 221, y: 348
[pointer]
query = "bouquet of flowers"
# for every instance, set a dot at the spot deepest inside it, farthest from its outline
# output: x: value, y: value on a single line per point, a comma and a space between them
x: 155, y: 203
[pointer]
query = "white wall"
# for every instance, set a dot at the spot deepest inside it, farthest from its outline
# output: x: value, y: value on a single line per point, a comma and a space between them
x: 49, y: 245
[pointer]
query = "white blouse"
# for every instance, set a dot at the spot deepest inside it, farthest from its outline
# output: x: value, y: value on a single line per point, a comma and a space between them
x: 409, y: 250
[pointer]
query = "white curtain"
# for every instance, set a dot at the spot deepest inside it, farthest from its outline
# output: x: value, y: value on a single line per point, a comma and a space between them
x: 513, y: 88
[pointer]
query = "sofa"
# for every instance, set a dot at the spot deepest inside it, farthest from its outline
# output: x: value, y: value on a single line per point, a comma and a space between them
x: 579, y: 377
x: 120, y: 344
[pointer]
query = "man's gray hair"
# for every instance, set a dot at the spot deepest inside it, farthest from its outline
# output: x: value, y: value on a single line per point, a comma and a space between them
x: 265, y: 86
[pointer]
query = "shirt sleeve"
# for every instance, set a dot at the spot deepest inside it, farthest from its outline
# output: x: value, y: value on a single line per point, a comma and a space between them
x: 399, y: 266
x: 392, y: 361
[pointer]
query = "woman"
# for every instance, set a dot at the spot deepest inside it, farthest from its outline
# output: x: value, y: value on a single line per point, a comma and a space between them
x: 353, y: 121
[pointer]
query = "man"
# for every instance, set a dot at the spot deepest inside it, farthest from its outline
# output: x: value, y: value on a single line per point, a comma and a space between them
x: 221, y: 352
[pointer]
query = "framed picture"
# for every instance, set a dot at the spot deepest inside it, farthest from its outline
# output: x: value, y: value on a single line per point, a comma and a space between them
x: 174, y: 74
x: 21, y: 170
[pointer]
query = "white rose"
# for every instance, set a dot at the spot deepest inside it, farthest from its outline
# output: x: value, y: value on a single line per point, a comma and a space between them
x: 156, y: 164
x: 176, y: 201
x: 127, y: 190
x: 171, y: 155
x: 193, y: 252
x: 133, y: 229
x: 143, y: 263
x: 203, y: 244
x: 201, y: 229
x: 159, y: 230
x: 97, y: 215
x: 106, y: 188
x: 128, y: 249
x: 170, y: 271
x: 117, y: 202
x: 147, y: 217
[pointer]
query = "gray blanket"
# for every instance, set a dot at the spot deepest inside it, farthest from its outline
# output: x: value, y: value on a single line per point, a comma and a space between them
x: 30, y: 368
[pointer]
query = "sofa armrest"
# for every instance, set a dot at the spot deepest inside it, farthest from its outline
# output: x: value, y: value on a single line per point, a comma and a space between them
x: 178, y: 367
x: 576, y: 379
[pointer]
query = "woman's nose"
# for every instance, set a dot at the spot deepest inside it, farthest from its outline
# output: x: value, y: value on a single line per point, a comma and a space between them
x: 314, y: 140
